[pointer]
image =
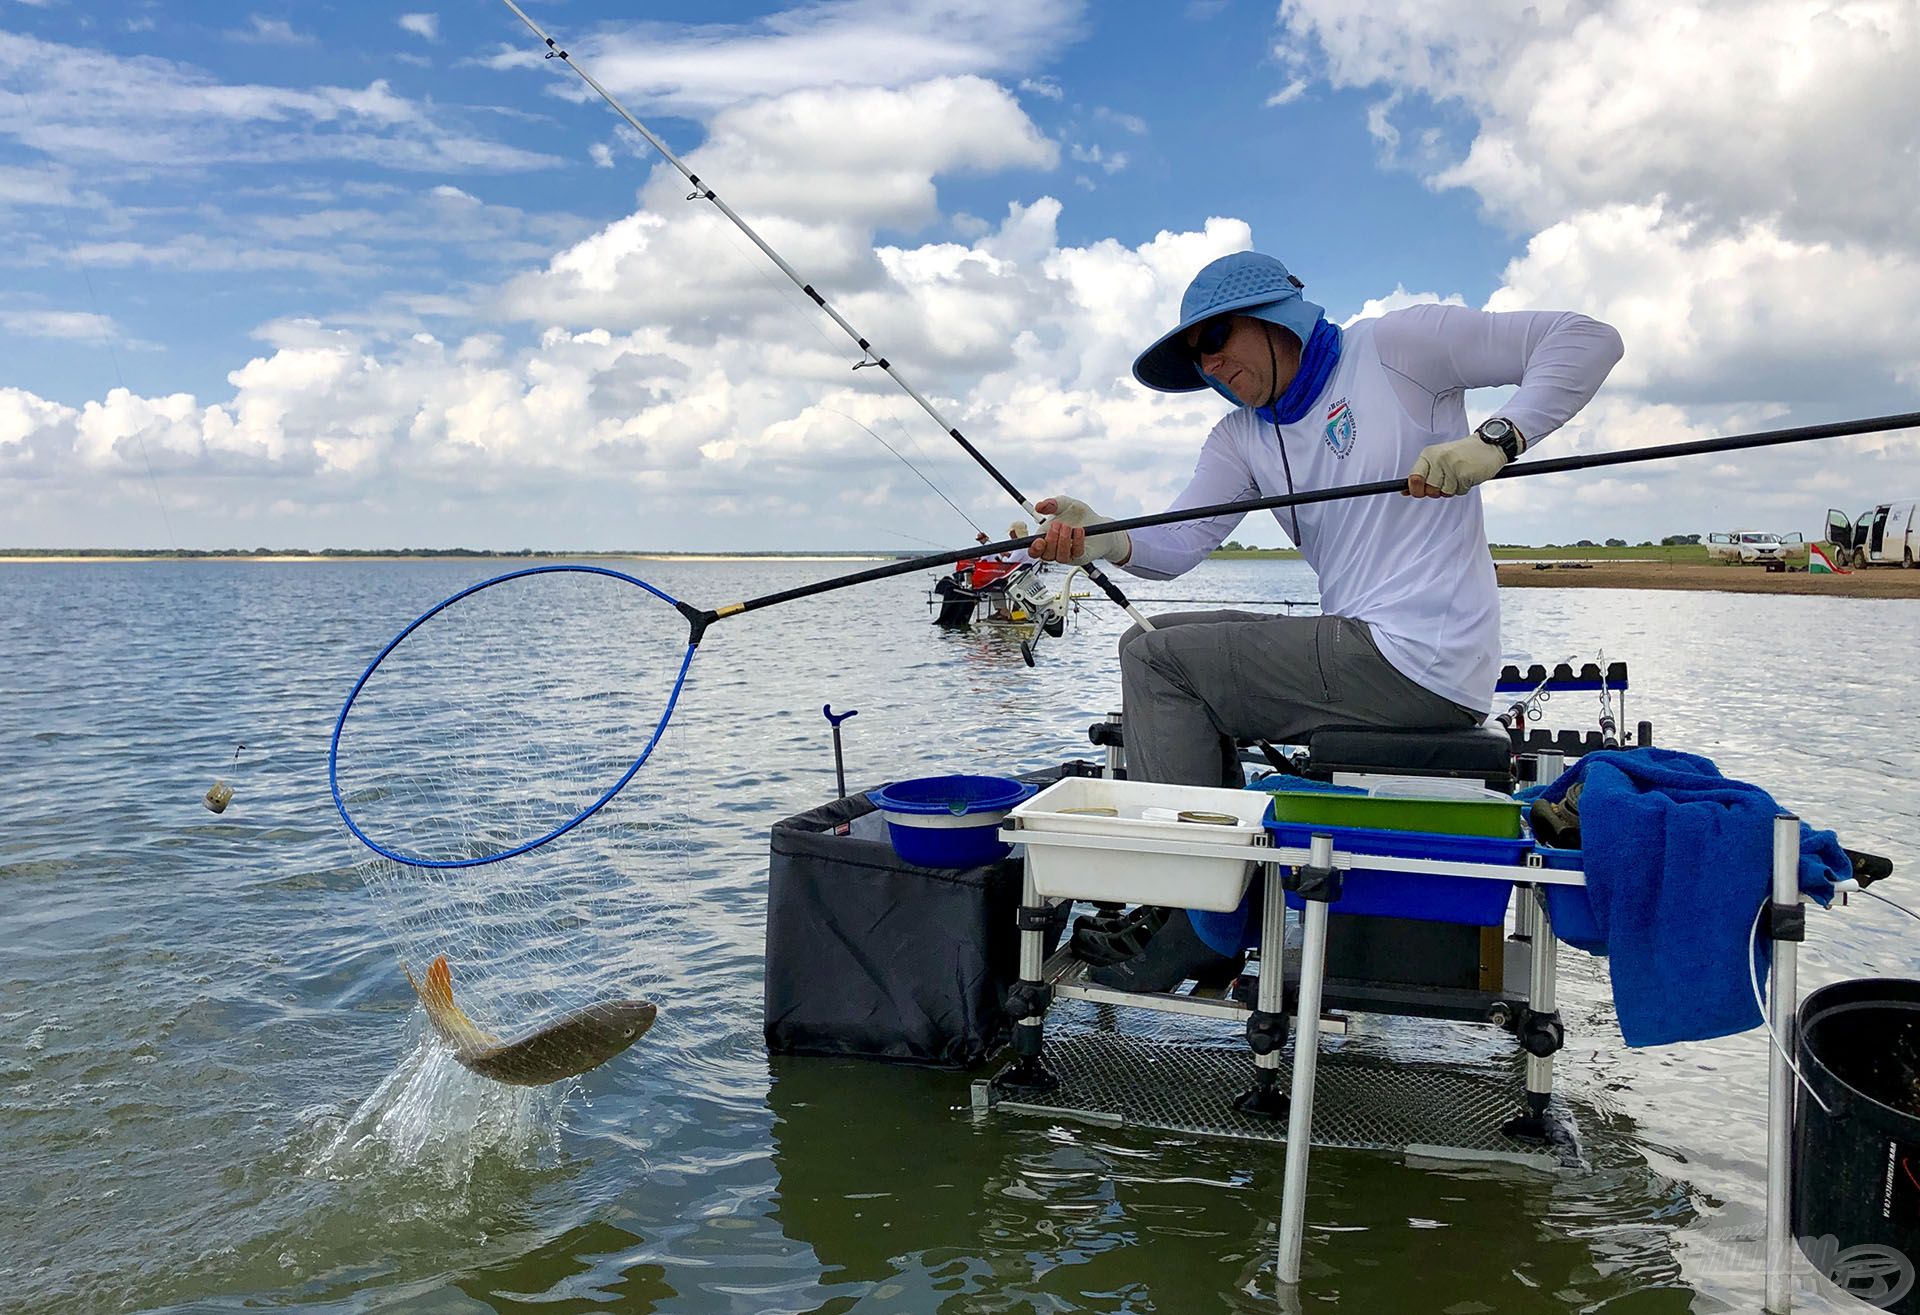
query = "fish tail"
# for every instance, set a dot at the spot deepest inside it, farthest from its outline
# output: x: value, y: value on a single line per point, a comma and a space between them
x: 448, y: 1018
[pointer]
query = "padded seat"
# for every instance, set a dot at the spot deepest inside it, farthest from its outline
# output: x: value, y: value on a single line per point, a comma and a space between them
x: 1479, y: 752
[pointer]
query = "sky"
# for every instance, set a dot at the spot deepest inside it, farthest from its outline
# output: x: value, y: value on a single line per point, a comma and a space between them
x: 346, y: 274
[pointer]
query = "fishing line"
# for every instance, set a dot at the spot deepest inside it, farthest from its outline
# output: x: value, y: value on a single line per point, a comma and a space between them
x: 1890, y: 903
x: 910, y: 538
x: 870, y: 357
x: 1240, y: 602
x: 908, y: 464
x: 786, y: 295
x: 1753, y: 979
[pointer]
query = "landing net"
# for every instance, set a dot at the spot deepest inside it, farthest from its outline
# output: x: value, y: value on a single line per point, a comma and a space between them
x: 533, y: 704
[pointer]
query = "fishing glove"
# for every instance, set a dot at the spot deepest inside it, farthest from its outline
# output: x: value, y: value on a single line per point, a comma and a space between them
x: 1055, y: 546
x: 1449, y: 468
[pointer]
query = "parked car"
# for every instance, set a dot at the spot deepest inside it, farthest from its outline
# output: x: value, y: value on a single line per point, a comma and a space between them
x: 1749, y: 546
x: 1887, y: 535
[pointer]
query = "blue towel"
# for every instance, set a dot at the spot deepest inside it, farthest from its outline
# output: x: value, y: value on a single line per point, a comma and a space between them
x: 1678, y: 858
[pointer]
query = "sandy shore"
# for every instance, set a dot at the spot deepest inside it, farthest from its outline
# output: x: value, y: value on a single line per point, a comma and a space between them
x: 1873, y: 582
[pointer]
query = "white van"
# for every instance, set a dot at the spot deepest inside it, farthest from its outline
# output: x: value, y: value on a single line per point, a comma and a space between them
x: 1748, y: 546
x: 1888, y: 535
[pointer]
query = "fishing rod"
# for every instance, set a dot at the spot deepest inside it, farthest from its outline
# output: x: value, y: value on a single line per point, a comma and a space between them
x: 1519, y: 470
x: 702, y: 192
x: 505, y: 792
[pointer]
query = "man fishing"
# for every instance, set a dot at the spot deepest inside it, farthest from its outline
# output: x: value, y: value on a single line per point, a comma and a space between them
x: 1409, y: 631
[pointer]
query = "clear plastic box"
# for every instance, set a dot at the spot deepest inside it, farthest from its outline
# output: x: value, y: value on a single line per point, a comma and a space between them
x: 1135, y: 859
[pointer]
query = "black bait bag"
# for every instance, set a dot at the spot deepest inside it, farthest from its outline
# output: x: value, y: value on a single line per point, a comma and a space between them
x: 872, y: 957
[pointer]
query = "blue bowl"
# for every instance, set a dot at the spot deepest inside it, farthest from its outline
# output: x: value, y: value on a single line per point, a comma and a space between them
x: 949, y: 821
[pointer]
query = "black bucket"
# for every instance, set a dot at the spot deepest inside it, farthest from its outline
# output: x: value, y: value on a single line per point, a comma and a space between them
x: 1856, y: 1169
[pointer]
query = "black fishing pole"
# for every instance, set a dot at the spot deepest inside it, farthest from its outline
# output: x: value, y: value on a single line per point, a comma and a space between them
x: 1730, y: 443
x: 409, y: 692
x: 702, y: 192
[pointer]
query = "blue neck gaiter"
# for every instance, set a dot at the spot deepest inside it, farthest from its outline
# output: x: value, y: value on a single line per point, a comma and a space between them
x: 1317, y: 359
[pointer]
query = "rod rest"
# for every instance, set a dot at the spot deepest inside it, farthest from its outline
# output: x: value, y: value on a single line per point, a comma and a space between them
x: 1563, y: 677
x: 1868, y: 868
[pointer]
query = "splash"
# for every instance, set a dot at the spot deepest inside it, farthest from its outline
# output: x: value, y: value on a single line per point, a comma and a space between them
x: 431, y: 1115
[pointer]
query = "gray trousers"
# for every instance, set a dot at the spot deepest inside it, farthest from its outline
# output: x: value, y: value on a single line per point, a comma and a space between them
x: 1200, y: 680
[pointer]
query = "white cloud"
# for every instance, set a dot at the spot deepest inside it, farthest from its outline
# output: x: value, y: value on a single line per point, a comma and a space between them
x: 421, y: 25
x: 719, y: 398
x: 270, y: 32
x: 1729, y: 184
x: 841, y: 43
x: 73, y: 326
x: 817, y: 172
x: 1043, y: 87
x: 664, y: 386
x: 136, y: 114
x: 1111, y: 162
x: 601, y: 154
x: 1399, y: 299
x: 1728, y: 110
x: 1723, y: 317
x: 1132, y: 123
x: 1288, y: 94
x: 47, y: 186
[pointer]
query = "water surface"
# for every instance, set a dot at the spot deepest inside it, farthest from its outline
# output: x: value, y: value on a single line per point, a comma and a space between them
x: 214, y: 1093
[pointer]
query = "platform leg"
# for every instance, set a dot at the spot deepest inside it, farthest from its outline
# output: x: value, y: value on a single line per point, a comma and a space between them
x: 1547, y: 766
x: 1542, y: 998
x: 1524, y: 910
x: 1540, y: 1030
x: 1782, y: 1007
x: 1029, y: 999
x: 1306, y: 1057
x: 1267, y: 1026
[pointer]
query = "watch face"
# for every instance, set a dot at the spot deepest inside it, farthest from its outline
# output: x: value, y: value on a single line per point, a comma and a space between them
x: 1497, y: 429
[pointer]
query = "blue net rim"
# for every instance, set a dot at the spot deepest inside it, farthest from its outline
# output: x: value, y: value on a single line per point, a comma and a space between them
x: 952, y: 796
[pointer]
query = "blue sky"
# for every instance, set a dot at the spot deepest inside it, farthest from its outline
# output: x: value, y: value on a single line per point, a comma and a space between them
x: 358, y: 274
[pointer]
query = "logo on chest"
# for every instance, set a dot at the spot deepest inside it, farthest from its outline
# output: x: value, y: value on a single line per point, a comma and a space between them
x: 1341, y: 428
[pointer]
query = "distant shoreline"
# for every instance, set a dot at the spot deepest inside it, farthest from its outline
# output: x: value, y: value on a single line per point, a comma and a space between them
x: 20, y: 558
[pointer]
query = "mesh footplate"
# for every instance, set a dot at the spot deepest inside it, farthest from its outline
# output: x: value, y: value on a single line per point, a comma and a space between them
x: 1364, y: 1101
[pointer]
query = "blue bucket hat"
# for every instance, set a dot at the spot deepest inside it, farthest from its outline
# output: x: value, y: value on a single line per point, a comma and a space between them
x: 1245, y: 283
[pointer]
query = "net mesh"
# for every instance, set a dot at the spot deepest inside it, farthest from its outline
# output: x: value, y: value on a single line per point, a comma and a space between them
x: 494, y: 722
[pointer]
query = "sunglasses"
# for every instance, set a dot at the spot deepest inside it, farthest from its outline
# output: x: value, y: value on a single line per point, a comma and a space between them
x: 1212, y: 337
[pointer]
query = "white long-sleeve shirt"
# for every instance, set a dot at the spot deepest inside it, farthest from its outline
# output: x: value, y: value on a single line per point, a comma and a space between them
x: 1416, y: 570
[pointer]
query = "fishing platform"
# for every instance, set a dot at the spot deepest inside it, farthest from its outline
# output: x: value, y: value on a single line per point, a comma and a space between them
x: 1402, y: 995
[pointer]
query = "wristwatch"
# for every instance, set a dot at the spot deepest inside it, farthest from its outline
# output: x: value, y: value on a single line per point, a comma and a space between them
x: 1501, y: 433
